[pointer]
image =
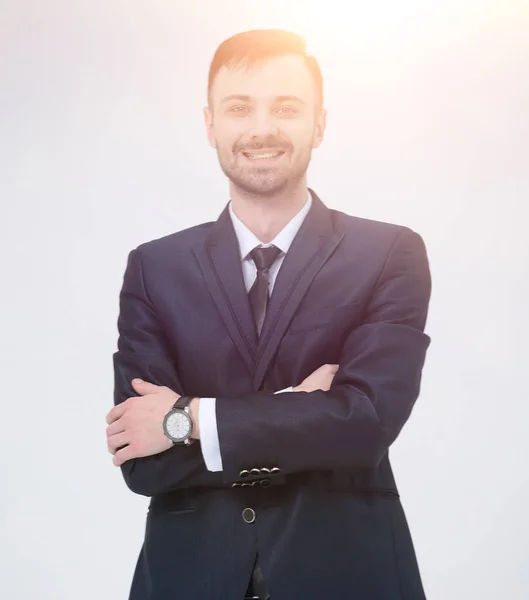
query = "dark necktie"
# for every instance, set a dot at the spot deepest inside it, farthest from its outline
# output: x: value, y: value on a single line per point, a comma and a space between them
x: 263, y: 258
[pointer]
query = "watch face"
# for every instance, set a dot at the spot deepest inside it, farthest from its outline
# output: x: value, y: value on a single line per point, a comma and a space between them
x: 178, y: 425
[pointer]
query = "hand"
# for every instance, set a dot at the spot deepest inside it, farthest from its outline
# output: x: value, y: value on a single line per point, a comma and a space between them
x: 321, y: 379
x: 136, y: 423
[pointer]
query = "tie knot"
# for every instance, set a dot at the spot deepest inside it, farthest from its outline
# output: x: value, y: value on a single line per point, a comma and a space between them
x: 264, y: 257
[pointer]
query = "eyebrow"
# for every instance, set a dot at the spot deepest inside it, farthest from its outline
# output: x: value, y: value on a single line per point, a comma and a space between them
x: 243, y: 98
x: 290, y: 99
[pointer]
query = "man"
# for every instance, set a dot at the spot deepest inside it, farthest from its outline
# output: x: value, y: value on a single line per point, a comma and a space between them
x: 259, y: 489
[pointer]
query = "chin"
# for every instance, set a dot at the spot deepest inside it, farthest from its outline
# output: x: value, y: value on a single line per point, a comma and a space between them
x: 260, y: 181
x: 260, y: 187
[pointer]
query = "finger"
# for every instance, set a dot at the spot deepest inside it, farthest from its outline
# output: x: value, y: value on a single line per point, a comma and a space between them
x: 325, y: 369
x: 123, y: 455
x: 116, y: 413
x: 144, y: 387
x: 117, y: 441
x: 115, y: 427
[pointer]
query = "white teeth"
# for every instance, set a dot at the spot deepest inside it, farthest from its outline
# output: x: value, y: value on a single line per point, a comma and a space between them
x: 261, y: 156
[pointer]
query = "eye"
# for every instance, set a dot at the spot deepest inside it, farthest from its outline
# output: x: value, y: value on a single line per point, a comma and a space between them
x: 287, y: 111
x: 239, y: 109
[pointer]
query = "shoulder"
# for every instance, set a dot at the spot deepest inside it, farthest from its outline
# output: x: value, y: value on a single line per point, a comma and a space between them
x: 177, y: 243
x: 378, y: 236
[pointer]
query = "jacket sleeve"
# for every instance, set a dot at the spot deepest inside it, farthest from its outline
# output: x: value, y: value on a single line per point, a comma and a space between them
x: 377, y: 383
x: 143, y: 351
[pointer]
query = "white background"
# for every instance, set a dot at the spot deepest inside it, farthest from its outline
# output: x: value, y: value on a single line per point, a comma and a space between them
x: 102, y: 147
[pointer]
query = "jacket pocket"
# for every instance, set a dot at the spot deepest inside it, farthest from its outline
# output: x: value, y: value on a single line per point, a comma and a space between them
x: 173, y: 503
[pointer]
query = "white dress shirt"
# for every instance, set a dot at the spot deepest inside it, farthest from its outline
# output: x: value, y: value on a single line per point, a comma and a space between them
x: 207, y: 416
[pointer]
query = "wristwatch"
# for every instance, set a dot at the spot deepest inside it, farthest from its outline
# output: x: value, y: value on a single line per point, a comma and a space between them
x: 177, y: 423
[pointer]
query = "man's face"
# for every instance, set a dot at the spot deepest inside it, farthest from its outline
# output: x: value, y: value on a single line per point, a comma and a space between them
x: 264, y: 123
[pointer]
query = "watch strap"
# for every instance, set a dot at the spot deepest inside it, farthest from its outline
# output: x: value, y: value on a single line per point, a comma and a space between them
x: 182, y: 402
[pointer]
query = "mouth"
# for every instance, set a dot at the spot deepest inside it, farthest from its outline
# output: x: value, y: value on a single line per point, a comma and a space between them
x: 263, y: 154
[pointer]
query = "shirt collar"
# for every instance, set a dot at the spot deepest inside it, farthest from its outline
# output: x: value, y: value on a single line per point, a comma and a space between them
x: 248, y: 240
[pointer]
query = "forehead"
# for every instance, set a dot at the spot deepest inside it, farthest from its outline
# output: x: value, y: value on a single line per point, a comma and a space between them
x: 278, y: 76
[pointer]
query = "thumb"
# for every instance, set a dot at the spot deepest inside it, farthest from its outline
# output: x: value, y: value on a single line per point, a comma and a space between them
x: 144, y: 387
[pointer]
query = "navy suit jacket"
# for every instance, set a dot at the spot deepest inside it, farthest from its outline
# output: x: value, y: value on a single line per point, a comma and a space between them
x: 313, y: 466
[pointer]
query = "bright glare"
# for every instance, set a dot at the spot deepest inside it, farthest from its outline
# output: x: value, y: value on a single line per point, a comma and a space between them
x: 333, y: 25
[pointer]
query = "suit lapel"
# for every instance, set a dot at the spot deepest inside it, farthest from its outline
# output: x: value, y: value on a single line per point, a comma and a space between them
x: 312, y: 247
x: 219, y: 260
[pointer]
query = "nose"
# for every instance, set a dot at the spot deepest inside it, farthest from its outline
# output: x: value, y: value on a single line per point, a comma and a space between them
x: 262, y: 125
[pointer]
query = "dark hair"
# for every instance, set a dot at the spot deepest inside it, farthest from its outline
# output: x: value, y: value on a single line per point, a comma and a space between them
x: 251, y: 47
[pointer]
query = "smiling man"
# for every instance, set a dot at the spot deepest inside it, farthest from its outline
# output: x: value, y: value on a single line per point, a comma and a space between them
x: 265, y: 141
x: 259, y: 489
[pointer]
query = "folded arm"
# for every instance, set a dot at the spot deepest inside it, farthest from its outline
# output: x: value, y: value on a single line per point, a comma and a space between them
x: 352, y: 424
x: 377, y: 383
x: 143, y: 351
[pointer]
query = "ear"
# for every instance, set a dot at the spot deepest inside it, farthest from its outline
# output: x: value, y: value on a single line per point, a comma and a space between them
x: 321, y: 122
x: 208, y: 120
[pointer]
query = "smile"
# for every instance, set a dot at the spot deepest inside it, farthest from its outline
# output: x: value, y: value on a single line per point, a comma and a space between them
x: 266, y: 155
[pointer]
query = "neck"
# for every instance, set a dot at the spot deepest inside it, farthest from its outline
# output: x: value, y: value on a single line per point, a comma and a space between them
x: 266, y: 215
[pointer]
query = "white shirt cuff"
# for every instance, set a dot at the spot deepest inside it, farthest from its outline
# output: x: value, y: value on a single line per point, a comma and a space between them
x: 209, y: 434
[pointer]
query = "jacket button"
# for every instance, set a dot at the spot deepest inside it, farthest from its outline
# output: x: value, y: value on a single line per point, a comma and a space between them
x: 244, y: 473
x: 248, y: 515
x: 236, y: 485
x: 255, y: 471
x: 264, y: 482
